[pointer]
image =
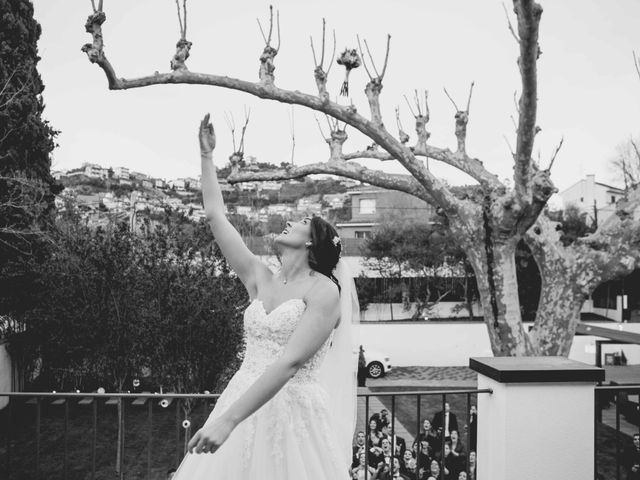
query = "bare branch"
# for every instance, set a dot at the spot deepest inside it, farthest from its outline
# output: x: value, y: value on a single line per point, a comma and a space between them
x: 293, y: 134
x: 247, y: 114
x: 324, y: 26
x: 386, y: 56
x: 454, y: 103
x: 528, y: 13
x: 184, y: 6
x: 403, y: 183
x: 509, y: 145
x: 409, y: 105
x: 555, y: 154
x: 320, y: 128
x: 506, y: 14
x: 264, y: 37
x: 333, y: 55
x: 636, y: 63
x: 362, y: 57
x: 469, y: 99
x: 180, y: 20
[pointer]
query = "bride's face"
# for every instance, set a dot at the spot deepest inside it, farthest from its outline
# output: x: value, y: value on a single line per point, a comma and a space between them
x: 295, y: 234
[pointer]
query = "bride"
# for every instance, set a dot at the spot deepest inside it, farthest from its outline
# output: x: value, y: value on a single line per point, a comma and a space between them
x: 289, y: 411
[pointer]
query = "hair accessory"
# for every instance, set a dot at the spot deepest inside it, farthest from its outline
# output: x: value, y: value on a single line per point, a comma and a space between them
x: 309, y: 243
x: 336, y: 240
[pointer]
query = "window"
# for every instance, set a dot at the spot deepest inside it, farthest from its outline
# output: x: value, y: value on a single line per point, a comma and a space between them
x: 368, y: 206
x: 613, y: 199
x: 362, y: 234
x: 582, y: 199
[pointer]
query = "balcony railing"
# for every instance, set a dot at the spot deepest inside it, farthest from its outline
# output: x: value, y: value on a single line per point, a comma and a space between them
x: 98, y: 435
x: 617, y: 419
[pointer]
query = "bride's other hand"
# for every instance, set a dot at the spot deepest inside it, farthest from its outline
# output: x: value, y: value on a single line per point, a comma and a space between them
x: 207, y: 136
x: 211, y: 437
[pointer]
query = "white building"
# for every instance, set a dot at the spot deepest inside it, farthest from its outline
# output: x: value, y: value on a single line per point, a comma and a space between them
x: 121, y: 172
x: 594, y: 198
x: 177, y: 184
x: 159, y: 183
x: 93, y: 170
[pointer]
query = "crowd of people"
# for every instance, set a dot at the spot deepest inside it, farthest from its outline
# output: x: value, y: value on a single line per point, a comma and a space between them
x: 437, y: 453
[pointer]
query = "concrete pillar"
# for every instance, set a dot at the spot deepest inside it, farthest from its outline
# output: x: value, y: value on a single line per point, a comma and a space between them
x: 539, y: 421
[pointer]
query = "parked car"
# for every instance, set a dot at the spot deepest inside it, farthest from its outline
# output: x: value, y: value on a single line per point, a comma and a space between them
x: 378, y: 364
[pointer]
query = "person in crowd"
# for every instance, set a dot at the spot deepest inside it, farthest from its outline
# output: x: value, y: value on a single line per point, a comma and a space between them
x: 429, y: 434
x: 450, y: 463
x: 457, y: 450
x: 473, y: 428
x: 434, y: 469
x: 399, y: 444
x: 362, y: 369
x: 405, y: 460
x: 359, y: 446
x: 445, y: 421
x: 358, y: 472
x: 471, y: 468
x: 423, y: 458
x: 385, y: 444
x: 463, y: 475
x: 385, y: 420
x: 389, y: 471
x: 631, y: 458
x: 374, y: 433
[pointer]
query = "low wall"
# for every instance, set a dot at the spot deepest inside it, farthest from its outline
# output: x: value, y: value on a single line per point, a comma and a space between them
x: 452, y: 343
x: 376, y: 312
x: 5, y: 373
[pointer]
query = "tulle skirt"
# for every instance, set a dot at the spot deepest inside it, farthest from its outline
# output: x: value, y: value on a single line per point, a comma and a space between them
x: 288, y: 438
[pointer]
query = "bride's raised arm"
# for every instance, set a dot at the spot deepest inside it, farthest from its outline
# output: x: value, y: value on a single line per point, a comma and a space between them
x: 240, y: 258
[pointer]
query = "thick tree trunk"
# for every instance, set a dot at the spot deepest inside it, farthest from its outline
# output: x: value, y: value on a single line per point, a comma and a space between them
x: 495, y: 268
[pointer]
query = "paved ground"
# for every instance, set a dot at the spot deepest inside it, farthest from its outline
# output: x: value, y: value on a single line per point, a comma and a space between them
x: 427, y: 377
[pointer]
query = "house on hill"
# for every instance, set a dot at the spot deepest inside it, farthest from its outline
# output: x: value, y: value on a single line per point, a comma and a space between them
x: 596, y: 199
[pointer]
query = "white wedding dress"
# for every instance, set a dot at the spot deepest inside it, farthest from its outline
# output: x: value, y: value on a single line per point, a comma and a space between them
x: 289, y: 437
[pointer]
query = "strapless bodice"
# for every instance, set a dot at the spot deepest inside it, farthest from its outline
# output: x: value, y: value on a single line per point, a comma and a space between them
x: 267, y: 334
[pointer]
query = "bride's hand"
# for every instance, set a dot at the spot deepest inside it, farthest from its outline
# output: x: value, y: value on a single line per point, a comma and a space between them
x: 207, y: 136
x: 211, y: 437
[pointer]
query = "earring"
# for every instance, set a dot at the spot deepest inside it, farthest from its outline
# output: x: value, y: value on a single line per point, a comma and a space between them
x: 309, y: 243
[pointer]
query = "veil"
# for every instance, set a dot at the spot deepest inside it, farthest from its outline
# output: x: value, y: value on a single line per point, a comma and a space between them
x: 338, y: 372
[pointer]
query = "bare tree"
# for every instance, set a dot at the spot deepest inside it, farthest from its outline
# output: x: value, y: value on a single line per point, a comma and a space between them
x: 487, y: 226
x: 626, y: 162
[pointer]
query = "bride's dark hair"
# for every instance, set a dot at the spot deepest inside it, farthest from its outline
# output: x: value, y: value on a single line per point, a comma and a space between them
x: 325, y: 248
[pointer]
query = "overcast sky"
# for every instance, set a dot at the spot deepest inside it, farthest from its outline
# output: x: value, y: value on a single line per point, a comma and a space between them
x: 588, y: 91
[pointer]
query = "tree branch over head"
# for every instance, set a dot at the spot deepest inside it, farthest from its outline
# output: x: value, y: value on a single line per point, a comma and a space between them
x: 266, y: 89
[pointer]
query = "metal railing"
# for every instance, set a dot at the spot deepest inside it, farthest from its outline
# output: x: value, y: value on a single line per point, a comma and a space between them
x: 75, y: 430
x: 419, y: 396
x: 617, y: 420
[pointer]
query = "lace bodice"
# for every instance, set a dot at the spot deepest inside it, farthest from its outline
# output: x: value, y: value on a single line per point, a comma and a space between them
x: 301, y: 400
x: 267, y: 334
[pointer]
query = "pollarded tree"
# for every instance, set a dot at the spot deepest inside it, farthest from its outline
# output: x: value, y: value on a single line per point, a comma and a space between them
x: 488, y: 225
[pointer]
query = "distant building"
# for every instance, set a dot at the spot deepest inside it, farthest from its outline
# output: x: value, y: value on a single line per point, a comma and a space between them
x: 371, y: 206
x: 121, y: 172
x: 177, y: 184
x: 147, y: 184
x: 138, y: 176
x: 597, y: 200
x: 92, y: 170
x: 192, y: 183
x: 159, y: 183
x: 335, y: 200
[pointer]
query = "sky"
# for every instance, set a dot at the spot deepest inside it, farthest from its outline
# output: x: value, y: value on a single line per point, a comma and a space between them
x: 588, y: 89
